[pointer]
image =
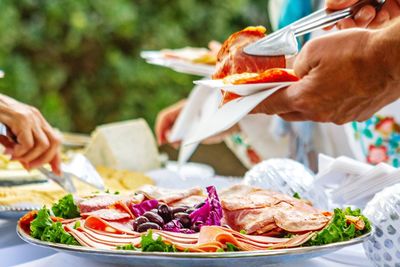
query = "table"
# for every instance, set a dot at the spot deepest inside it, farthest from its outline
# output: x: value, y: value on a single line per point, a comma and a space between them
x: 15, y: 252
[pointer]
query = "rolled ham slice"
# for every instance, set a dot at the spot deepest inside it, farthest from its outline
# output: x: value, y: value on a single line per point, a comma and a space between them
x: 168, y: 195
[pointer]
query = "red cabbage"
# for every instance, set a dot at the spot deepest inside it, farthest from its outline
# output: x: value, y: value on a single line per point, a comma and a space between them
x: 211, y: 212
x: 141, y: 208
x: 177, y: 227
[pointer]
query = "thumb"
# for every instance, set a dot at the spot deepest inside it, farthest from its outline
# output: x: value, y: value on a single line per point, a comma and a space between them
x: 339, y: 4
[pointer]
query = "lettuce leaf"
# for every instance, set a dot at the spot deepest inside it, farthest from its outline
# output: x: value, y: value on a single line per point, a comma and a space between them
x: 66, y: 208
x: 43, y: 228
x: 339, y: 229
x: 40, y: 223
x: 148, y: 244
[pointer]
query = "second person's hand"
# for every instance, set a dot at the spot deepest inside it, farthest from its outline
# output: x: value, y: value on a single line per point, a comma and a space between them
x: 37, y: 142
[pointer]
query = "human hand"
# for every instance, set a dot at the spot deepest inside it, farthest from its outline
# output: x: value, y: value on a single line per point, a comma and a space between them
x: 166, y: 120
x: 37, y: 142
x: 345, y: 77
x: 366, y: 17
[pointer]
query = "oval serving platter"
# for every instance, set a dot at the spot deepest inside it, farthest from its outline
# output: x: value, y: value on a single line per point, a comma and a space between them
x: 183, y: 259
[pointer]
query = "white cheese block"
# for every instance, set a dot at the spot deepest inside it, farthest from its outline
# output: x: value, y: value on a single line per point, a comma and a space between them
x: 128, y: 145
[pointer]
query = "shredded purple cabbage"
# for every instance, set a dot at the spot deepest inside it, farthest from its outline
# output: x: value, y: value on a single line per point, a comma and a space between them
x: 177, y: 227
x: 211, y: 212
x: 141, y: 208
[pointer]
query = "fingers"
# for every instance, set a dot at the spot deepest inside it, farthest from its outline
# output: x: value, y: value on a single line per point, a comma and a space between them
x: 280, y: 102
x: 381, y: 18
x: 41, y: 145
x: 293, y: 116
x: 339, y: 4
x: 49, y: 154
x: 365, y: 16
x: 165, y: 121
x: 55, y: 163
x: 25, y: 143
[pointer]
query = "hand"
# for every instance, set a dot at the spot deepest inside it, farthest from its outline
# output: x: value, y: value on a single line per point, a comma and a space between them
x: 38, y: 143
x: 166, y: 120
x: 367, y: 16
x: 346, y: 76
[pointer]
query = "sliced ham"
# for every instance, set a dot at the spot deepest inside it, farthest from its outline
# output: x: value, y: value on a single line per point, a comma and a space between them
x: 168, y: 195
x: 98, y: 202
x: 265, y: 212
x: 99, y: 224
x: 108, y: 214
x: 232, y: 60
x: 189, y: 201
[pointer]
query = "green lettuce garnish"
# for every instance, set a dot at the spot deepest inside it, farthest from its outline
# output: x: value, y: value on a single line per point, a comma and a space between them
x: 43, y: 228
x: 66, y: 208
x: 296, y: 195
x: 338, y: 229
x: 148, y: 244
x: 231, y: 247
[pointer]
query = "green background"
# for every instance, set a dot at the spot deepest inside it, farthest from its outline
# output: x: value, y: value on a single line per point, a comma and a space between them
x: 78, y: 61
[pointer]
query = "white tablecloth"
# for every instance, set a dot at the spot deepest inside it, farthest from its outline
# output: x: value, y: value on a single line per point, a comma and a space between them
x: 14, y: 252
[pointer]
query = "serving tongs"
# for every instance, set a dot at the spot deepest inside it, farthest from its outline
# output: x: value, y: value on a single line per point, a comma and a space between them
x: 284, y: 42
x: 79, y: 167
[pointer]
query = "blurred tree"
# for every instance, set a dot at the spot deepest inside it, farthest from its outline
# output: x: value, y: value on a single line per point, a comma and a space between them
x: 78, y: 61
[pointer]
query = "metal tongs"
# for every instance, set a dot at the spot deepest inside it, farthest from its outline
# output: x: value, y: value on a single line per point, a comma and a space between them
x: 79, y: 167
x: 284, y: 42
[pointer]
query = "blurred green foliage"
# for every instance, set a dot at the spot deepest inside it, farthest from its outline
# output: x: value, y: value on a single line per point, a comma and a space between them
x: 78, y: 60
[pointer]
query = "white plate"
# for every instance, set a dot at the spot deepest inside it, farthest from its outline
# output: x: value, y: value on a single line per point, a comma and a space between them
x: 184, y: 259
x: 241, y: 89
x: 178, y: 65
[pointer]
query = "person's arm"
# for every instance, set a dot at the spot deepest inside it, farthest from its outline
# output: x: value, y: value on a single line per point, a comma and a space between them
x: 38, y: 143
x: 346, y: 76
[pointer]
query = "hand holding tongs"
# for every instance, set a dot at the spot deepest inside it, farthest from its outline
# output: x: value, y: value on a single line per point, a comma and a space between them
x: 79, y: 167
x: 283, y: 42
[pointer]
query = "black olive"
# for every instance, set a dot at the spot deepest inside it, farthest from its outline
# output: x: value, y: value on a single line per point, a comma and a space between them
x: 190, y: 210
x: 146, y: 226
x: 179, y: 209
x: 183, y: 218
x: 198, y: 206
x: 165, y: 212
x: 138, y: 221
x: 196, y: 226
x: 154, y: 210
x: 154, y: 217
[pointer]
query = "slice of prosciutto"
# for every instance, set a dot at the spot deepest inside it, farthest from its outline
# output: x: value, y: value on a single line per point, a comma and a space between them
x: 167, y: 195
x: 231, y: 58
x: 261, y: 211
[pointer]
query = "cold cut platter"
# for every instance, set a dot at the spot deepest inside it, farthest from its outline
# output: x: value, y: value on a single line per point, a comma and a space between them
x: 238, y: 226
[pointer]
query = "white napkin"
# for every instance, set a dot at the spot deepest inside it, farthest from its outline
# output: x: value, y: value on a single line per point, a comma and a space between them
x: 201, y: 104
x: 351, y: 182
x: 228, y: 115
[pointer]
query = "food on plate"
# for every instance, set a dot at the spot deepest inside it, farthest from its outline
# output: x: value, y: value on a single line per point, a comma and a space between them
x: 233, y: 60
x: 194, y: 54
x: 239, y: 218
x: 268, y: 76
x: 47, y: 193
x: 234, y: 66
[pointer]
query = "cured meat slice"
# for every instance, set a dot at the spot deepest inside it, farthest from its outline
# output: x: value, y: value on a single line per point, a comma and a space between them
x: 232, y: 60
x: 168, y: 195
x: 242, y: 196
x: 97, y: 202
x: 261, y: 211
x: 268, y: 76
x: 107, y: 214
x: 189, y: 201
x: 294, y: 220
x: 99, y: 224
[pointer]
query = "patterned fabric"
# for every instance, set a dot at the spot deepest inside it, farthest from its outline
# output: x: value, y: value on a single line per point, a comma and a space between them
x: 379, y: 139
